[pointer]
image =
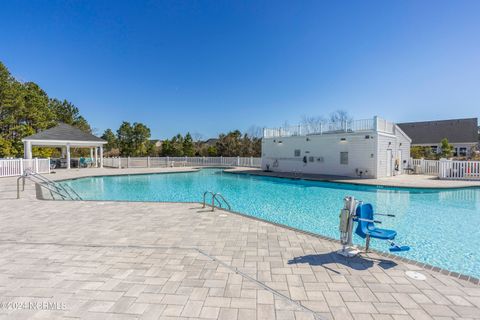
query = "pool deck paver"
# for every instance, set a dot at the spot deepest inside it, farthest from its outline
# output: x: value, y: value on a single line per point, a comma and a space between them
x: 121, y: 260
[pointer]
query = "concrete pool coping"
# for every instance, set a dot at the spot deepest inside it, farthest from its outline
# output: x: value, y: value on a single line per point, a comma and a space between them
x: 236, y: 170
x: 399, y: 181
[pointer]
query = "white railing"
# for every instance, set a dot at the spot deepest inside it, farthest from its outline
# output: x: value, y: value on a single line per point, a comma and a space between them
x: 363, y: 125
x: 428, y: 167
x: 459, y: 170
x: 385, y: 126
x: 159, y: 162
x: 16, y: 167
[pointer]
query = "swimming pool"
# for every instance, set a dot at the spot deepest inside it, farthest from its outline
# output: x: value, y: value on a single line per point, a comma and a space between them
x: 441, y: 226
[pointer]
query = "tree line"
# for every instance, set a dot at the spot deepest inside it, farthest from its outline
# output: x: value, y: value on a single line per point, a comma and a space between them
x: 134, y: 140
x: 25, y: 109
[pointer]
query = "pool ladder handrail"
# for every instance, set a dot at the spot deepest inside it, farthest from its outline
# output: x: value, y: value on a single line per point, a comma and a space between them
x: 65, y: 187
x: 64, y: 191
x: 216, y: 196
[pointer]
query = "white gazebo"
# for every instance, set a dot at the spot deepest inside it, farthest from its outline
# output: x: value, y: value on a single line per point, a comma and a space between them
x: 66, y: 136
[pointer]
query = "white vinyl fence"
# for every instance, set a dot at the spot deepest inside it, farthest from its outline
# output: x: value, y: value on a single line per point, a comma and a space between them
x: 158, y: 162
x: 459, y: 170
x: 447, y: 169
x: 428, y: 167
x: 16, y: 167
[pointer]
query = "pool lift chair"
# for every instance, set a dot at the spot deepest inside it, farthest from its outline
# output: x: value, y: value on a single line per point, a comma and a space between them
x: 357, y: 211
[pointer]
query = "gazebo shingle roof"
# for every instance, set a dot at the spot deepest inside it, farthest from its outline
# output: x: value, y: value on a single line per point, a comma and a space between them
x: 64, y: 132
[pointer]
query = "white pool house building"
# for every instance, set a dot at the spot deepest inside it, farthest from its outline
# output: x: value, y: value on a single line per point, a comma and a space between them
x: 369, y: 148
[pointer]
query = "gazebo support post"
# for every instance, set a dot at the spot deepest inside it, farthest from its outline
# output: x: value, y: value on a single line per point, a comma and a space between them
x: 68, y: 156
x: 96, y: 157
x: 27, y: 149
x: 101, y: 156
x: 91, y: 154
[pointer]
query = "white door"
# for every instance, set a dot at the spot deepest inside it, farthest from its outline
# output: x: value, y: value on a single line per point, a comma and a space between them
x: 389, y: 162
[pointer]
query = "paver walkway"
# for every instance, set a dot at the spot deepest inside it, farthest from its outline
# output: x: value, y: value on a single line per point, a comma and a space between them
x: 119, y: 260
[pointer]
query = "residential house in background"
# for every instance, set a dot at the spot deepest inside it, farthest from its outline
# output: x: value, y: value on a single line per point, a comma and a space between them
x: 370, y: 148
x: 157, y: 143
x: 461, y: 133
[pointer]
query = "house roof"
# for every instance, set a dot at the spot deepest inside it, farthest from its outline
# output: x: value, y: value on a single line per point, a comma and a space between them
x: 64, y: 132
x: 211, y: 141
x: 432, y: 132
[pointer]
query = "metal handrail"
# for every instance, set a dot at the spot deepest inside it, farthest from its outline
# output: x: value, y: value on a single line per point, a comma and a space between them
x: 223, y: 199
x: 64, y: 191
x: 205, y: 195
x: 40, y: 184
x: 56, y: 185
x: 215, y: 196
x: 67, y: 188
x: 46, y: 181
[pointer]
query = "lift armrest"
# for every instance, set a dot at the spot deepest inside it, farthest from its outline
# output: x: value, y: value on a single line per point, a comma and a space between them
x: 368, y: 220
x: 383, y: 214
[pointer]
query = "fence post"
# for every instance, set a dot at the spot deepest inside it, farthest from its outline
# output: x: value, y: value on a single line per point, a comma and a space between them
x: 251, y: 161
x: 21, y: 166
x: 48, y: 164
x: 167, y: 160
x: 238, y: 161
x: 221, y: 160
x: 128, y: 162
x: 442, y: 168
x: 36, y: 165
x: 148, y: 162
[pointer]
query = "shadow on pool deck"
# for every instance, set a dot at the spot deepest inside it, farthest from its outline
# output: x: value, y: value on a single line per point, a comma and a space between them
x: 356, y: 263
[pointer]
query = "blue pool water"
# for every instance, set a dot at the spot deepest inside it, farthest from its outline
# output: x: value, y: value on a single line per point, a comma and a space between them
x: 441, y: 226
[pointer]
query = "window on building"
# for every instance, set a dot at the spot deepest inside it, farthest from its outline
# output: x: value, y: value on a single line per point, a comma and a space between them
x: 455, y: 152
x: 434, y: 149
x: 296, y: 153
x: 462, y: 152
x: 343, y: 157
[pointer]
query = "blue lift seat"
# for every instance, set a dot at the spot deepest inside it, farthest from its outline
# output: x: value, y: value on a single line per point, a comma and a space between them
x: 366, y: 225
x: 383, y: 234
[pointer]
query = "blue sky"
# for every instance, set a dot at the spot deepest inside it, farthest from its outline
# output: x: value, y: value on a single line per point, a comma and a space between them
x: 213, y: 66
